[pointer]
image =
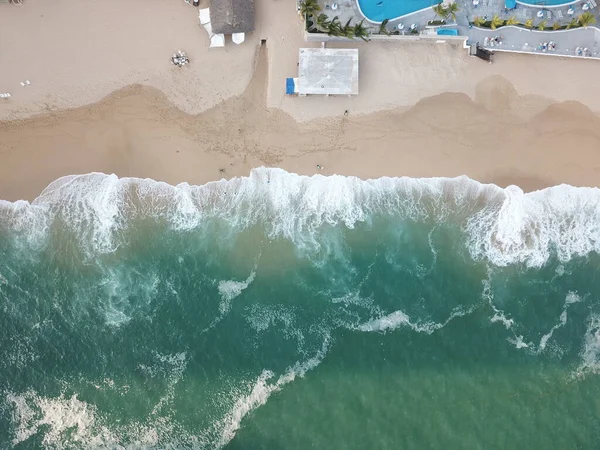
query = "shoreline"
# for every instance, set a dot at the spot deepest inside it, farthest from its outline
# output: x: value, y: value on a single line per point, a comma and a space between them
x: 136, y: 132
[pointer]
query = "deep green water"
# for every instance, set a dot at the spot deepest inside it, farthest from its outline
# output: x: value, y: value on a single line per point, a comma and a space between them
x: 286, y: 312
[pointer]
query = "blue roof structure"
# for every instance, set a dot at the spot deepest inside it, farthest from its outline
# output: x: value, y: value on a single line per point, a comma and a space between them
x: 289, y: 86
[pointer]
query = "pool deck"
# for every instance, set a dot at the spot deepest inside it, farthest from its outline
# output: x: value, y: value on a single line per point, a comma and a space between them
x: 514, y: 39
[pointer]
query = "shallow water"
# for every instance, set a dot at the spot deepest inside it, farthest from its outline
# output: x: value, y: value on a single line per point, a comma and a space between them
x: 280, y: 311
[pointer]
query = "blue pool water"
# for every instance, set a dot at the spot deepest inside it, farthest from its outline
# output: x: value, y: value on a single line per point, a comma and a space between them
x: 379, y: 10
x: 447, y: 32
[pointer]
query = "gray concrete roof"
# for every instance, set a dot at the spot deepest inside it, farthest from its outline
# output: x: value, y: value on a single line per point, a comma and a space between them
x: 232, y: 16
x: 328, y: 71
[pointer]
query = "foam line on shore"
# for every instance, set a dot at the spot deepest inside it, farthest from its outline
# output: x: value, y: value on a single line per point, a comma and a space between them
x: 503, y: 226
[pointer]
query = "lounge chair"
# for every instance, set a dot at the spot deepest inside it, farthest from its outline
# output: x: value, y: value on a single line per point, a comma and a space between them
x: 217, y: 40
x: 559, y: 14
x: 549, y: 15
x: 238, y: 38
x: 204, y: 15
x: 593, y: 4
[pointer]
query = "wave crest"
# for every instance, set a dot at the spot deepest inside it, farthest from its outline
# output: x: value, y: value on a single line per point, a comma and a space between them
x: 504, y: 226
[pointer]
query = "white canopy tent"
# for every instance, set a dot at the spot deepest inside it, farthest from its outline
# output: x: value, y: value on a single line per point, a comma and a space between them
x: 328, y: 71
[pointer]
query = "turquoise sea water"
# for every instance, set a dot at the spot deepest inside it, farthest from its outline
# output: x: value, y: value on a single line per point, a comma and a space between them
x: 379, y: 10
x: 287, y: 312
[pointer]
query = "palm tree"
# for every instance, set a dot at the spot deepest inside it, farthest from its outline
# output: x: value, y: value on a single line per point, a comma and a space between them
x: 322, y: 22
x: 478, y: 21
x: 309, y: 8
x: 451, y: 10
x: 360, y: 31
x: 439, y: 10
x: 348, y: 30
x: 511, y: 21
x: 555, y: 25
x: 496, y: 22
x: 574, y: 23
x: 335, y: 27
x: 587, y: 19
x: 383, y: 27
x: 542, y: 25
x: 529, y: 23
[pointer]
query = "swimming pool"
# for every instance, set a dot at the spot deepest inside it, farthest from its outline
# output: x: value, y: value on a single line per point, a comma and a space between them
x: 379, y: 10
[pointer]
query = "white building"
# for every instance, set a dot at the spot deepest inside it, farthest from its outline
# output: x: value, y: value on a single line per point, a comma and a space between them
x: 326, y: 71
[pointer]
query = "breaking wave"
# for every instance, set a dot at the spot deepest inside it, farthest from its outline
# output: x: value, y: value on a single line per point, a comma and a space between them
x: 504, y: 226
x: 136, y: 314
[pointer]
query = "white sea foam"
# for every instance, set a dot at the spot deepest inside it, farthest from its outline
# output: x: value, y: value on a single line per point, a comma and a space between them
x: 505, y: 226
x: 174, y: 365
x: 528, y: 227
x: 548, y: 335
x: 262, y: 317
x: 68, y: 422
x: 27, y: 224
x: 230, y: 289
x: 518, y: 341
x: 262, y: 390
x: 119, y: 287
x: 388, y: 322
x: 499, y: 315
x: 398, y: 319
x: 570, y: 299
x: 590, y: 353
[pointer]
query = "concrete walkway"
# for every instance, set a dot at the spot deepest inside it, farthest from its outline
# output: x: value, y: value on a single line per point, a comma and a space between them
x: 523, y: 40
x: 518, y: 39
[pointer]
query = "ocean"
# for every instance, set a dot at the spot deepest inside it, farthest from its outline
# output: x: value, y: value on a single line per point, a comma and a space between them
x: 278, y: 311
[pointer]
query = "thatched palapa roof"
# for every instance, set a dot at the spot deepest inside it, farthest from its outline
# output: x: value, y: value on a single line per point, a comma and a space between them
x: 232, y: 16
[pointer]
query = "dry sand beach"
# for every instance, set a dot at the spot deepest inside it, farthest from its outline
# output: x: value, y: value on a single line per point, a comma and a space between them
x: 104, y: 97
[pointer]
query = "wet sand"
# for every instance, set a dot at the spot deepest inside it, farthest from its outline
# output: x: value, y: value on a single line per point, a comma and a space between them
x: 136, y: 132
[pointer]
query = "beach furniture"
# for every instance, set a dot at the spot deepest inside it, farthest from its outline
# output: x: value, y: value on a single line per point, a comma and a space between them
x: 593, y: 4
x: 204, y: 15
x: 559, y: 14
x: 217, y: 40
x: 238, y: 38
x: 549, y: 15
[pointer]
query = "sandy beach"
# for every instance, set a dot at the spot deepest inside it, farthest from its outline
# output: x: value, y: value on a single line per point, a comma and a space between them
x: 104, y: 97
